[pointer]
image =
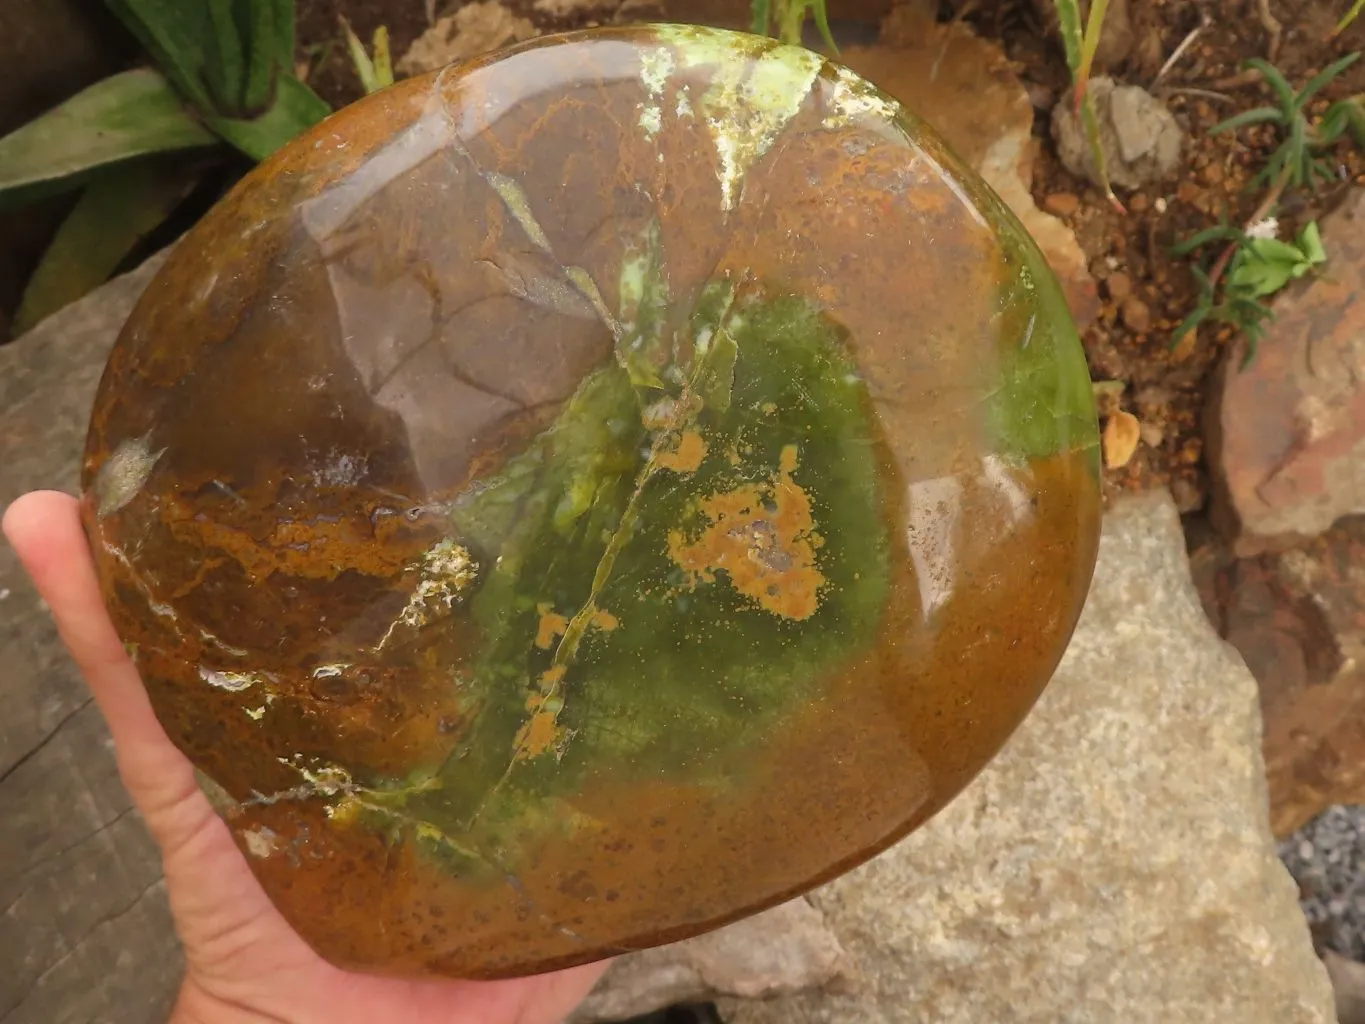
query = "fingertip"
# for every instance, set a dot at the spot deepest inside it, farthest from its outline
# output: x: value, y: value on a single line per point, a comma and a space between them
x: 30, y: 520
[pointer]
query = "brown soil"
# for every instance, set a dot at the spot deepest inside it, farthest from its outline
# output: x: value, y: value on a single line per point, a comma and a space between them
x: 1129, y: 253
x: 1167, y: 388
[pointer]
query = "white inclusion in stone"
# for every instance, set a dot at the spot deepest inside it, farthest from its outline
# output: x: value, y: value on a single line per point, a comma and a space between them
x: 123, y: 474
x: 233, y: 682
x: 754, y: 93
x: 655, y: 68
x: 447, y: 571
x: 651, y: 120
x: 852, y: 99
x: 260, y: 842
x: 932, y: 537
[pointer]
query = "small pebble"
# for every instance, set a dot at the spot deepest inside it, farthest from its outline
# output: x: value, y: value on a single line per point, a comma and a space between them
x: 1136, y: 316
x: 1062, y: 204
x: 1119, y: 286
x: 1160, y: 204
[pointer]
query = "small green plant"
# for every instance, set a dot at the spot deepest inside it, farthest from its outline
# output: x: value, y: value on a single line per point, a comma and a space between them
x: 788, y: 19
x: 1298, y: 159
x: 1254, y: 264
x: 224, y: 80
x: 375, y: 72
x: 1259, y: 267
x: 1081, y: 47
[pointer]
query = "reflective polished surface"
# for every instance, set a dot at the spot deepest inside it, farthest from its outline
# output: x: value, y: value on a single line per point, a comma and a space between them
x: 569, y: 501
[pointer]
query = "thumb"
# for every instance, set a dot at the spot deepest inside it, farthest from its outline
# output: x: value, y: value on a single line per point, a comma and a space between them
x: 45, y: 530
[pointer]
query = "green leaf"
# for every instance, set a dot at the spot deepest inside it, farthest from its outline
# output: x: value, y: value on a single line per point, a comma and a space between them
x: 265, y: 57
x: 1320, y: 81
x: 1273, y: 250
x: 117, y: 211
x: 1256, y: 277
x: 179, y: 36
x: 296, y: 108
x: 1346, y: 115
x: 1257, y: 115
x: 225, y: 69
x: 284, y: 32
x: 1310, y: 241
x: 129, y: 115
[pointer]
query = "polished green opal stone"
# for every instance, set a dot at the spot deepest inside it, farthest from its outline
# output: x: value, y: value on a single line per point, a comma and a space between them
x: 576, y: 498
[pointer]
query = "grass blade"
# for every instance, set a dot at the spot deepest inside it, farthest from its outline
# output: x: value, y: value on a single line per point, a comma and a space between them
x: 1256, y: 115
x: 376, y: 73
x: 1284, y: 92
x: 1217, y: 233
x: 1090, y: 43
x: 1190, y: 323
x: 116, y: 212
x: 1322, y: 78
x: 1069, y: 18
x: 1092, y: 132
x: 760, y: 16
x: 1351, y: 16
x: 383, y: 59
x: 822, y: 23
x: 364, y: 67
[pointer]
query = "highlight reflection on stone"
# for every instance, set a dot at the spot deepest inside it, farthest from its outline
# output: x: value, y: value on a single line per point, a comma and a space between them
x: 569, y: 501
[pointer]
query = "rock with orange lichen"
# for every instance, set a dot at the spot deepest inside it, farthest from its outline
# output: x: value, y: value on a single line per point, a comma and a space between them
x: 518, y: 500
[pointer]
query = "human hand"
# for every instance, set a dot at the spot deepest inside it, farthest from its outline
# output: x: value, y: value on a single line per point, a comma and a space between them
x: 243, y: 962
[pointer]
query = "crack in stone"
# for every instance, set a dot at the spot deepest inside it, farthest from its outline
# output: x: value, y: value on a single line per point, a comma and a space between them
x: 43, y: 743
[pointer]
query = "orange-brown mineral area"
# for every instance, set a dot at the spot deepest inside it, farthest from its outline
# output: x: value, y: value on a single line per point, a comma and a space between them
x: 572, y: 500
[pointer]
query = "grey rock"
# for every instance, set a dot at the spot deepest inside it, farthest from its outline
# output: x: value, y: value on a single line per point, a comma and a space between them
x: 86, y: 934
x: 1114, y: 864
x: 1141, y: 139
x: 1348, y: 982
x: 779, y: 952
